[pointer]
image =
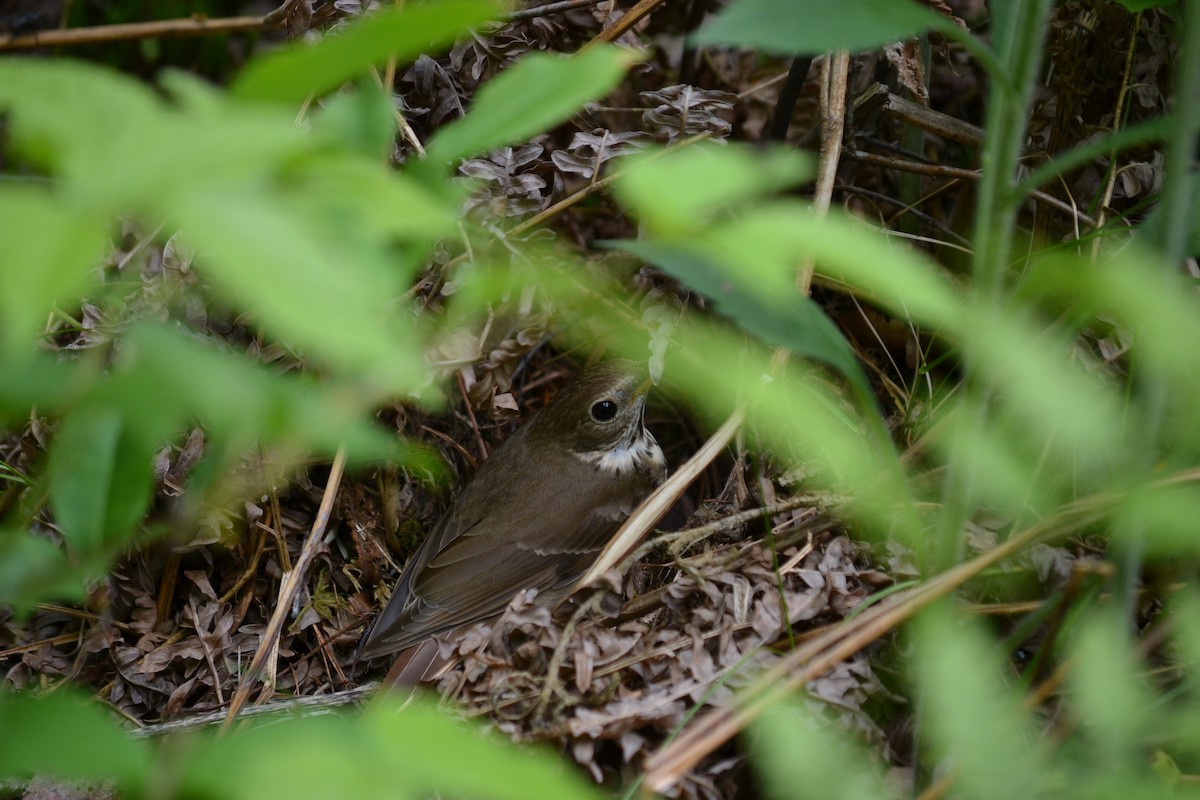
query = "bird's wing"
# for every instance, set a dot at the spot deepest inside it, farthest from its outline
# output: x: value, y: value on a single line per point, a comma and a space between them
x: 477, y: 574
x: 469, y: 569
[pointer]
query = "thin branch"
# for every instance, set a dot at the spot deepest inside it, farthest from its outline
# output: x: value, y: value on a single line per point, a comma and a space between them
x: 195, y: 25
x: 632, y: 17
x: 287, y: 591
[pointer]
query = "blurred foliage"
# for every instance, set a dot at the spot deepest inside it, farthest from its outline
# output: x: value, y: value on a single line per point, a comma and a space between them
x: 304, y: 229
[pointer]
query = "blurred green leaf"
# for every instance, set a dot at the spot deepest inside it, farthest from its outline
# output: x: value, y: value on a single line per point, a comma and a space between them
x: 68, y: 737
x: 316, y: 292
x: 678, y: 191
x: 290, y: 75
x: 34, y: 569
x: 101, y: 477
x: 53, y: 103
x: 969, y: 716
x: 784, y: 741
x: 1111, y: 701
x: 409, y: 753
x: 238, y: 399
x: 361, y: 201
x: 1166, y: 517
x: 538, y: 92
x: 203, y: 143
x: 423, y: 742
x: 1143, y: 5
x: 361, y: 121
x: 809, y: 27
x: 39, y: 379
x: 763, y: 301
x: 39, y: 270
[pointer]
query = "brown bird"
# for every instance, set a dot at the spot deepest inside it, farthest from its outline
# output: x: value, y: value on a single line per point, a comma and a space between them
x: 535, y: 516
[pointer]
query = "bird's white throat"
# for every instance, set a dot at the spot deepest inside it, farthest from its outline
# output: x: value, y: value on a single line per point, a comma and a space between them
x: 640, y: 453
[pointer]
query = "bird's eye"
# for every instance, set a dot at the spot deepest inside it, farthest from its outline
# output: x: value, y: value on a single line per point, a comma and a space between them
x: 604, y: 410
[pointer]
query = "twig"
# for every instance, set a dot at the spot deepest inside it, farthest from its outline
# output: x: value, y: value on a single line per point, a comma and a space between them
x: 1118, y: 115
x: 208, y: 656
x: 287, y: 591
x: 195, y: 25
x: 550, y: 8
x: 310, y: 705
x: 632, y: 17
x: 462, y: 388
x: 942, y: 171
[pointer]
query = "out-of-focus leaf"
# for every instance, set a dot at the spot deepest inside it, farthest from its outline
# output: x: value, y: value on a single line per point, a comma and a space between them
x: 67, y: 737
x: 679, y: 191
x: 404, y: 754
x: 764, y: 302
x: 48, y: 249
x: 1004, y: 344
x: 535, y: 94
x: 418, y: 739
x: 845, y: 769
x: 361, y: 121
x: 1166, y: 518
x: 39, y: 380
x: 1143, y: 5
x: 357, y: 197
x: 1111, y: 701
x: 236, y: 399
x: 967, y: 714
x: 814, y: 26
x: 52, y: 103
x: 317, y: 293
x: 33, y: 569
x: 101, y: 477
x: 294, y: 73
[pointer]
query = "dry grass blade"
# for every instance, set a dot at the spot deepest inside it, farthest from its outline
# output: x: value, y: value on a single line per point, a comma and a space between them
x: 654, y: 506
x: 287, y: 591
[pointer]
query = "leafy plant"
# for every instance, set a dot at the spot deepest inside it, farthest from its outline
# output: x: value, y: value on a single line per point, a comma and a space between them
x: 1019, y: 427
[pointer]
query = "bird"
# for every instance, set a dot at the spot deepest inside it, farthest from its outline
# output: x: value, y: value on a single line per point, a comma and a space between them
x: 535, y: 516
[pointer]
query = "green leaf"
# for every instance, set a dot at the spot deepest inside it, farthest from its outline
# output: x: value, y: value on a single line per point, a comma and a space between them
x: 532, y: 96
x: 34, y: 569
x: 361, y: 121
x: 424, y: 742
x: 67, y: 114
x: 330, y: 296
x: 361, y: 200
x: 1144, y: 5
x: 680, y: 190
x: 68, y: 737
x: 844, y: 770
x: 1152, y: 228
x: 101, y: 477
x: 39, y: 379
x: 1111, y: 702
x: 764, y: 302
x: 91, y: 126
x: 49, y: 247
x: 410, y: 753
x: 238, y: 400
x: 792, y: 27
x: 969, y: 716
x: 292, y: 74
